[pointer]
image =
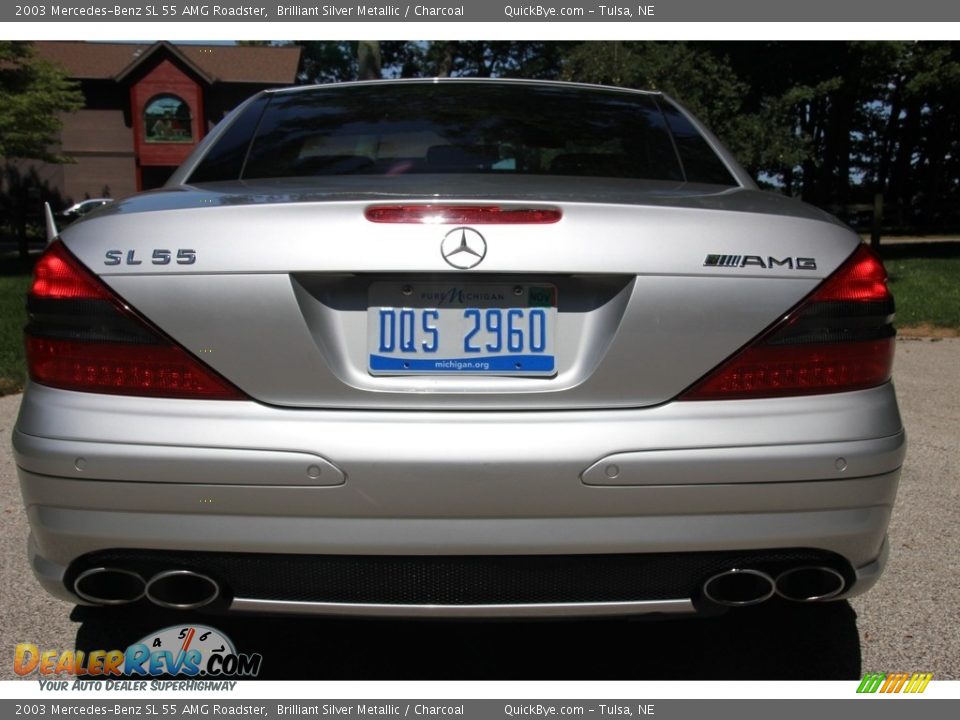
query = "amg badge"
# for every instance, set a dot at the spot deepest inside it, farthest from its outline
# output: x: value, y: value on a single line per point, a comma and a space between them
x: 767, y: 263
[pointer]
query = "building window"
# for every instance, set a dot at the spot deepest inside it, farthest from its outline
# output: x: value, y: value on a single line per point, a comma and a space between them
x: 167, y: 120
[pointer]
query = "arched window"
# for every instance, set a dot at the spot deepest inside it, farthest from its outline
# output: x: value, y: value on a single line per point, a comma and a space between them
x: 166, y: 119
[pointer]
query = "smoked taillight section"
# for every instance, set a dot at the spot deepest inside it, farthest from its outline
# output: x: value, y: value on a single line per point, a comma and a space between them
x: 82, y: 336
x: 840, y: 338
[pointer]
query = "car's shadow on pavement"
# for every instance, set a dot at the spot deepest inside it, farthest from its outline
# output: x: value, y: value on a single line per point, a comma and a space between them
x: 770, y: 642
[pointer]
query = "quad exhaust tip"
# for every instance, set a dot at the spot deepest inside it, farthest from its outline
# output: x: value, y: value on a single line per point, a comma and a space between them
x: 739, y: 587
x: 109, y: 586
x: 189, y: 590
x: 182, y: 590
x: 810, y: 583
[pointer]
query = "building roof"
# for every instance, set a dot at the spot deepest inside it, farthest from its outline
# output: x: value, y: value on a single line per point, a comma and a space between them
x: 215, y: 63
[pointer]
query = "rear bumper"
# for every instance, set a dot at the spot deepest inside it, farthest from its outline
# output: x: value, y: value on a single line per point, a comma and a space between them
x: 122, y: 473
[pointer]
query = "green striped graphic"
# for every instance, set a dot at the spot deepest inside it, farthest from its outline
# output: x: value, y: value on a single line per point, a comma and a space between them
x: 894, y: 683
x: 871, y: 682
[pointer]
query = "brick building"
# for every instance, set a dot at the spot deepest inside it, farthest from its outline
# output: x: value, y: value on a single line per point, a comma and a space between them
x: 147, y: 107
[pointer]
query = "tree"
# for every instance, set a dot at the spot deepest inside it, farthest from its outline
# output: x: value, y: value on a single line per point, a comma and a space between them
x: 917, y: 169
x: 33, y: 94
x: 327, y: 61
x: 493, y: 58
x: 831, y: 122
x: 699, y: 79
x: 368, y: 60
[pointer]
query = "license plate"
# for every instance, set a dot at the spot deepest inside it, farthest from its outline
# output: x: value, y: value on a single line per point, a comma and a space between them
x: 451, y: 329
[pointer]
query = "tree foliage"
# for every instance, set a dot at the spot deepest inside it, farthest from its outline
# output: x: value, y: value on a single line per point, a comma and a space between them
x: 702, y: 81
x: 326, y: 61
x: 831, y: 122
x: 33, y: 95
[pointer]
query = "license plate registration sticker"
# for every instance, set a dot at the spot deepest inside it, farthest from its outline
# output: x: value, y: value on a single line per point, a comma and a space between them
x: 454, y: 329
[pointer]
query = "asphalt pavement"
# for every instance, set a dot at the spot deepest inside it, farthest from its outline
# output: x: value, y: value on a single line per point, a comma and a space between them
x: 907, y: 623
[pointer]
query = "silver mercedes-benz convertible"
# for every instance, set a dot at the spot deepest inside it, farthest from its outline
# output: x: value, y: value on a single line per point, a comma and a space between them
x: 458, y: 348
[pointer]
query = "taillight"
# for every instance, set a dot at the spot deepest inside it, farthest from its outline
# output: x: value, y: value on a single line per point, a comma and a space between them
x: 461, y: 215
x: 82, y: 336
x: 839, y: 338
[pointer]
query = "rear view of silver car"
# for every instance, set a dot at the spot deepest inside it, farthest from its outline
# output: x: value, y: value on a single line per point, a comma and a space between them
x: 459, y: 348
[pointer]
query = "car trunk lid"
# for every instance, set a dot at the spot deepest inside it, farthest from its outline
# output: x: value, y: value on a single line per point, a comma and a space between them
x: 654, y: 285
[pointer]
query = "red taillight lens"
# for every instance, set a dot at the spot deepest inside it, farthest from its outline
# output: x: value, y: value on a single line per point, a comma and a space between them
x: 461, y: 215
x: 862, y: 278
x: 840, y: 338
x: 82, y: 336
x: 57, y: 276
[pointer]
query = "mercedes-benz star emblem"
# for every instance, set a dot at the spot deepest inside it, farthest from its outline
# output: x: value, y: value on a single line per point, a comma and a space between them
x: 463, y: 248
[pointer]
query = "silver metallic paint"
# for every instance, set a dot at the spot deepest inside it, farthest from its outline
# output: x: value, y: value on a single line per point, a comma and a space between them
x: 675, y: 321
x: 416, y: 490
x: 275, y: 302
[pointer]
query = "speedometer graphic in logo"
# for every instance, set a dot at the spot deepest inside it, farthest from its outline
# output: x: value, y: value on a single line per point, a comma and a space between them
x: 195, y: 650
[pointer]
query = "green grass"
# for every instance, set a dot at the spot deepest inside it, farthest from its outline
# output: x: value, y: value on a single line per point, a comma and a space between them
x: 925, y: 280
x: 13, y: 317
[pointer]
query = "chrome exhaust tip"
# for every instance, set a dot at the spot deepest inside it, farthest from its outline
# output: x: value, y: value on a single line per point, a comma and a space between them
x: 109, y: 586
x: 182, y: 590
x: 739, y: 587
x: 810, y: 583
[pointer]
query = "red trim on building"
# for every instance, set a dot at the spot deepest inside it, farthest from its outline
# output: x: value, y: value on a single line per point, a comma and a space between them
x: 165, y: 78
x: 107, y: 136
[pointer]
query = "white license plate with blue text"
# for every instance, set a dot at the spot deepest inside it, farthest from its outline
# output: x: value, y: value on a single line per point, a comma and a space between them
x: 469, y: 329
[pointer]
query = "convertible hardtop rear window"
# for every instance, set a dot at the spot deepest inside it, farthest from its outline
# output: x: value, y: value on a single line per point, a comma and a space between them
x: 449, y: 127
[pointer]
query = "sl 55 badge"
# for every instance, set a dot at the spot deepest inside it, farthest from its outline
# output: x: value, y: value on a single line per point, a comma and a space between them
x: 159, y: 257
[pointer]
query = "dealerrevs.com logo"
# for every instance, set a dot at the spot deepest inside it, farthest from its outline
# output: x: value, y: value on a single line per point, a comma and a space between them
x: 191, y: 651
x: 910, y: 683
